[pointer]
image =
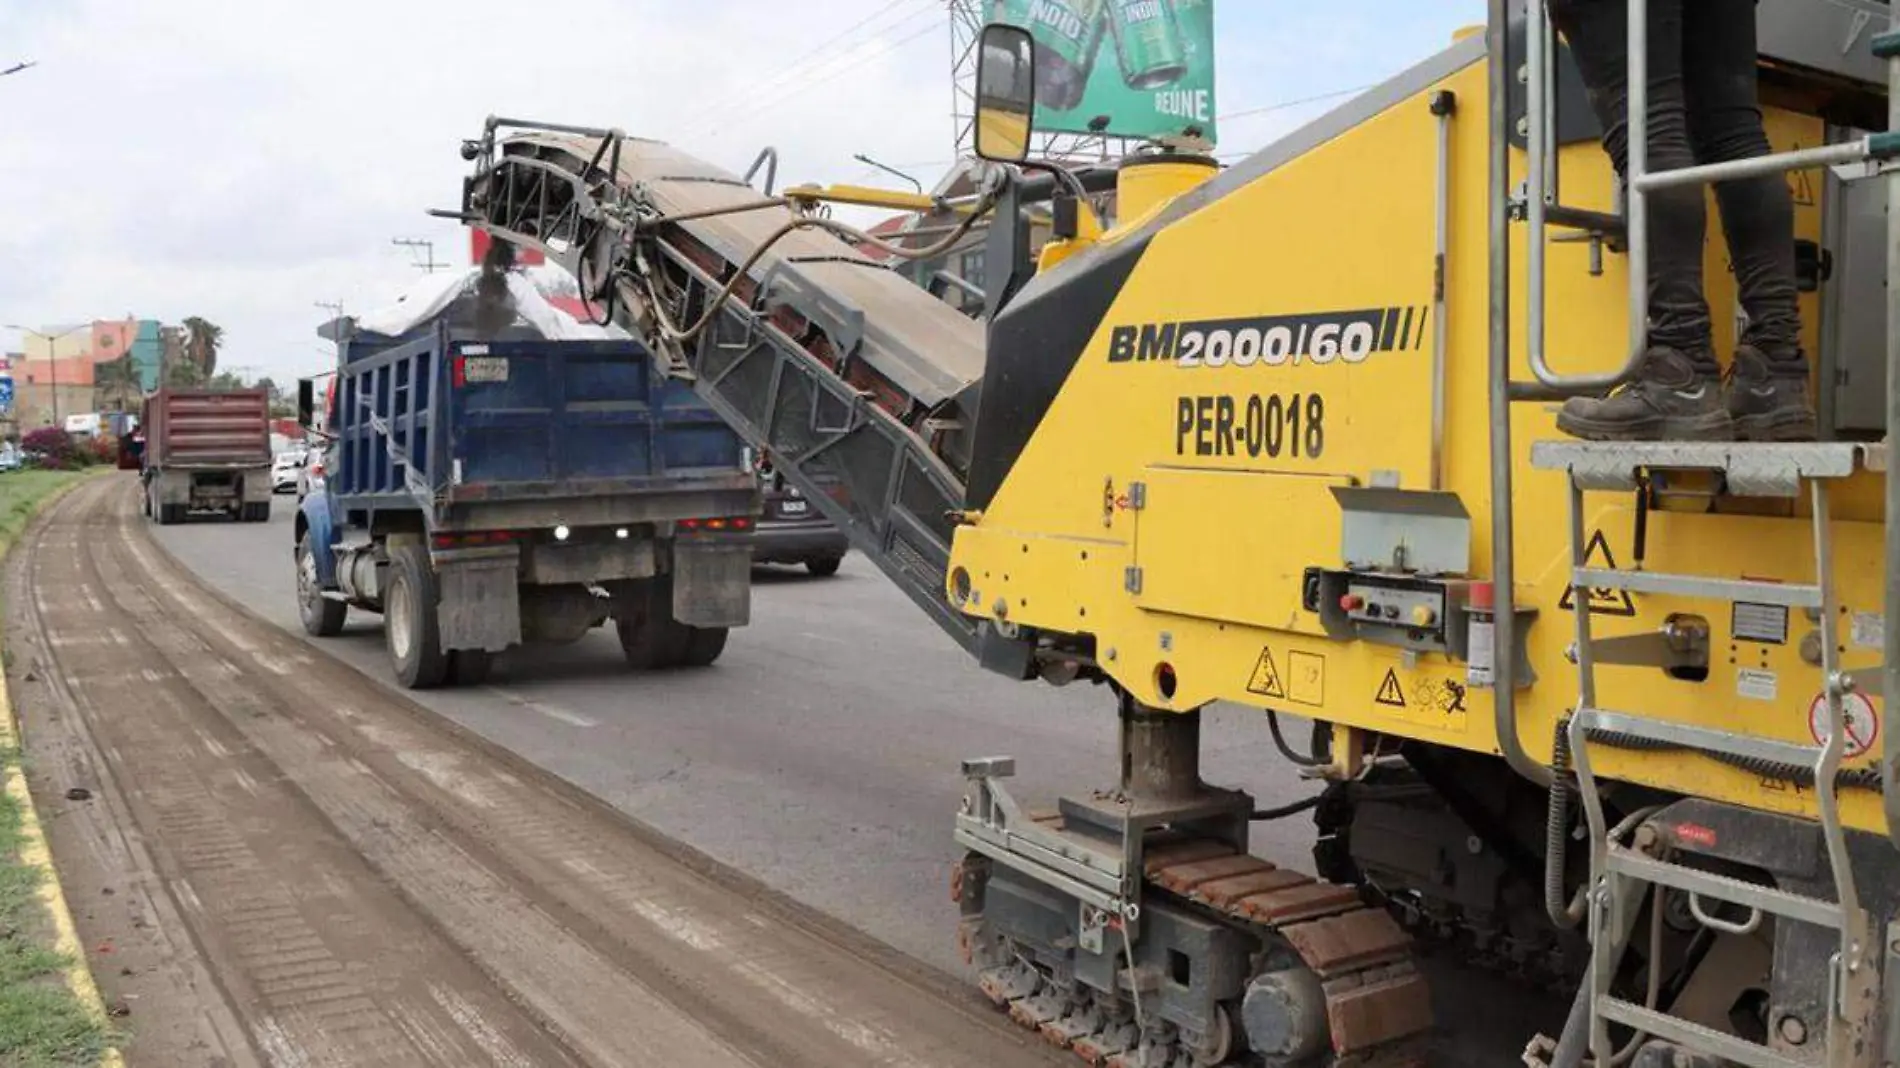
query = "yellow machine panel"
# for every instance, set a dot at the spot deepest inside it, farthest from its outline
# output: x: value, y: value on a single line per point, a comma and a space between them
x: 1187, y: 476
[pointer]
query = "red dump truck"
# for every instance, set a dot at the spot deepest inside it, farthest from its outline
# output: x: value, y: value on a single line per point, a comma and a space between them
x: 207, y: 450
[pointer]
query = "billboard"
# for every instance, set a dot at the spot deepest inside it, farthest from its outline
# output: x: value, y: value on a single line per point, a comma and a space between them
x: 1125, y: 68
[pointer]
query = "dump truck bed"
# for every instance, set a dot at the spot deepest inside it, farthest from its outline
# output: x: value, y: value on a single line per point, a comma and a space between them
x: 448, y: 425
x: 202, y: 429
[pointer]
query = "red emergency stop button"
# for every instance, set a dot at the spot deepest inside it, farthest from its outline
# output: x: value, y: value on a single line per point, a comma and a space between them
x: 1351, y: 602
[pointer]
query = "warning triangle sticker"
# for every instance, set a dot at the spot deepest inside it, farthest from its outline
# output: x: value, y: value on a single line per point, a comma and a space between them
x: 1266, y: 677
x: 1390, y: 692
x: 1601, y: 602
x: 1802, y: 188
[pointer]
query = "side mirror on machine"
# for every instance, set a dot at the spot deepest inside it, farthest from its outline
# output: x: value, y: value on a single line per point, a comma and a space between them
x: 1005, y: 93
x: 306, y: 402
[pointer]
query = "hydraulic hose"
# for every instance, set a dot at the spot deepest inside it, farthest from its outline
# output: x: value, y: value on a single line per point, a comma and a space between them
x: 1287, y: 751
x: 1268, y: 814
x: 1557, y: 834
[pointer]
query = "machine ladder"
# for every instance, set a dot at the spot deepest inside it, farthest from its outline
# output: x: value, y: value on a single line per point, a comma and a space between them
x: 1621, y: 872
x: 1626, y: 863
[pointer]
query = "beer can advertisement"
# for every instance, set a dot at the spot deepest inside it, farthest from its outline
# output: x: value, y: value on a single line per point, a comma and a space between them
x: 1123, y: 68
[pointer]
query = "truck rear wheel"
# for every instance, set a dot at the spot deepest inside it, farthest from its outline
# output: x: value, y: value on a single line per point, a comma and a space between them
x: 410, y: 632
x: 703, y: 645
x: 170, y: 514
x: 256, y: 512
x: 470, y: 667
x: 652, y: 641
x: 322, y: 617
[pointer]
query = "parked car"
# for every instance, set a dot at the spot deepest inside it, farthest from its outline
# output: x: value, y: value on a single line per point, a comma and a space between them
x: 791, y: 530
x: 10, y: 456
x: 285, y: 470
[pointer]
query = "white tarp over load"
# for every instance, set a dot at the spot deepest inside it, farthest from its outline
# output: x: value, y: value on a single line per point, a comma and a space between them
x: 432, y: 294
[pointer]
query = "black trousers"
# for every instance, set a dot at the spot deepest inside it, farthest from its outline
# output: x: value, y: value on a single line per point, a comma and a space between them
x: 1703, y: 108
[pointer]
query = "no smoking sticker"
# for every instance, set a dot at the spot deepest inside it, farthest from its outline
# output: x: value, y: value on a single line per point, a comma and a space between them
x: 1863, y: 725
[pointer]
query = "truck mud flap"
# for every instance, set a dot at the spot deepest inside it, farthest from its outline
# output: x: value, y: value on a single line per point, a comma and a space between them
x: 712, y: 584
x: 480, y: 607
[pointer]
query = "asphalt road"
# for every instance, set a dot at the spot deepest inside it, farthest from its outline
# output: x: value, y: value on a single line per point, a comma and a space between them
x: 820, y: 753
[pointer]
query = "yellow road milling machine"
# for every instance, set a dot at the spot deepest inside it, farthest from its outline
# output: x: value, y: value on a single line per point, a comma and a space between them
x: 1607, y: 718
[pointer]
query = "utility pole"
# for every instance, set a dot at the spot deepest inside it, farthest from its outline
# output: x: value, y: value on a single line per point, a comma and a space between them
x: 52, y: 356
x: 429, y: 264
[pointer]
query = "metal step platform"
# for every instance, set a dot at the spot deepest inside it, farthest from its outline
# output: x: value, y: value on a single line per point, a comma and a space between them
x: 1748, y: 469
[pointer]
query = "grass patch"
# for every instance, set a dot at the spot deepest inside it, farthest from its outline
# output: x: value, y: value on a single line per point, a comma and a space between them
x: 43, y: 1024
x: 22, y: 492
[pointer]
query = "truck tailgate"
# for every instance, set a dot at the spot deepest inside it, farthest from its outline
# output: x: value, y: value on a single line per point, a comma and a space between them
x: 207, y: 428
x: 531, y: 419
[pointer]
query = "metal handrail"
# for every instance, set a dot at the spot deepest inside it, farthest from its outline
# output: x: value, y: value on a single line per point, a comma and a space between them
x: 1503, y: 517
x: 1540, y: 62
x: 1890, y: 669
x: 767, y: 158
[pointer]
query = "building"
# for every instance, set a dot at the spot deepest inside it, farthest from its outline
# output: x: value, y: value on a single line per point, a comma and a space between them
x: 57, y: 373
x: 148, y: 352
x: 46, y: 391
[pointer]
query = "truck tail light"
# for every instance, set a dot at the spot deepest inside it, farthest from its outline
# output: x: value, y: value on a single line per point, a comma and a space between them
x: 462, y: 539
x: 737, y: 522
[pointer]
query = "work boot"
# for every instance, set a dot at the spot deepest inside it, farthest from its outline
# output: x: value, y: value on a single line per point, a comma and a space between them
x: 1768, y: 399
x: 1669, y: 400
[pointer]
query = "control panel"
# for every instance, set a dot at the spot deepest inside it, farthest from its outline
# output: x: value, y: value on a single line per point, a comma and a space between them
x: 1387, y: 608
x: 1393, y: 606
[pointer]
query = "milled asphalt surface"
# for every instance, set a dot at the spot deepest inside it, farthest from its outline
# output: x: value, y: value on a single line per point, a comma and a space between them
x: 819, y: 755
x: 336, y: 876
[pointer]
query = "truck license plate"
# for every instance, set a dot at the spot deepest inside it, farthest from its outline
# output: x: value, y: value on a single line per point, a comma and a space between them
x: 793, y: 507
x: 485, y: 368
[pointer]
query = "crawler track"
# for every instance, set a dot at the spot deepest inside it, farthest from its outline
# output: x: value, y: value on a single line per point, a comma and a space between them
x: 339, y: 877
x: 1377, y: 1006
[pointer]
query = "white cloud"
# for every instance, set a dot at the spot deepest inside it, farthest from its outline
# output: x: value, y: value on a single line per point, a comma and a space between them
x: 241, y: 161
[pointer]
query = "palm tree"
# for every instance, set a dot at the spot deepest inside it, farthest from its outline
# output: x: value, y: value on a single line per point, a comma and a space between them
x: 184, y: 374
x: 118, y: 384
x: 201, y: 343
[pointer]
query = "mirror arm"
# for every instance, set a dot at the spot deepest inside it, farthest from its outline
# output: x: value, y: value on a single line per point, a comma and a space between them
x: 1007, y: 246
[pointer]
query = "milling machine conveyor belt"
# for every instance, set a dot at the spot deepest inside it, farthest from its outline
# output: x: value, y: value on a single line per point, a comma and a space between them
x: 860, y: 385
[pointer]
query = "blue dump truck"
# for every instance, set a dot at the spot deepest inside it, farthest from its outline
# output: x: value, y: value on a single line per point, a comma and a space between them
x: 486, y: 493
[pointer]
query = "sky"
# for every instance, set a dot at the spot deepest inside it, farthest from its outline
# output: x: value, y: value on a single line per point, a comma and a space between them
x: 244, y: 161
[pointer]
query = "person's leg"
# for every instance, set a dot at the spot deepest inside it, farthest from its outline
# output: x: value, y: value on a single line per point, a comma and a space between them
x: 1768, y: 390
x: 1676, y: 395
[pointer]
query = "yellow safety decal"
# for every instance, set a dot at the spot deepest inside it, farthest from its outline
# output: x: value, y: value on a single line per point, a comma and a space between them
x: 1602, y: 602
x: 1391, y: 694
x: 1266, y: 678
x: 1304, y: 683
x: 1306, y: 678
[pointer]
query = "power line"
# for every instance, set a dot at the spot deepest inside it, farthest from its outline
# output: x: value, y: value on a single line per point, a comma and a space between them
x: 745, y: 93
x: 857, y: 61
x: 828, y: 69
x: 1285, y: 104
